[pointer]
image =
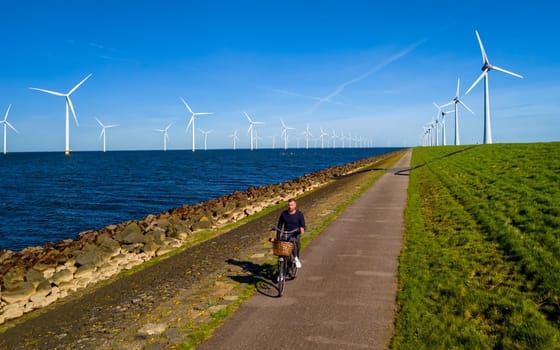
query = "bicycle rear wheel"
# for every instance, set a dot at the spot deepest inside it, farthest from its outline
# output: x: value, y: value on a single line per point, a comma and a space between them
x: 292, y: 269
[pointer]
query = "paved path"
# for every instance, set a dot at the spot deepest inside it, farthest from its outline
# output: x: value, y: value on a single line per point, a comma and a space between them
x: 344, y: 297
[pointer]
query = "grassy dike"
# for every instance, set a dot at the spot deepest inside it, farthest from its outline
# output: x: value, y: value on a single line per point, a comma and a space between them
x: 480, y: 266
x: 197, y: 333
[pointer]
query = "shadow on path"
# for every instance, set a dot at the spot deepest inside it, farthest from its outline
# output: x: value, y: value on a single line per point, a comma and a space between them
x: 261, y: 276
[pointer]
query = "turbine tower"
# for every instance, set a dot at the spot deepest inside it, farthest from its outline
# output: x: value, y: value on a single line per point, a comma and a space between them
x: 205, y: 136
x: 457, y: 101
x: 165, y: 136
x: 7, y: 124
x: 285, y: 133
x: 191, y: 121
x: 103, y: 132
x: 69, y: 105
x: 251, y: 127
x: 487, y: 67
x: 322, y: 136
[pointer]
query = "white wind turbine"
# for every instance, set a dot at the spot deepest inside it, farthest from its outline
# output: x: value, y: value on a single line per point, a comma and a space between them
x: 273, y: 137
x: 104, y: 132
x: 251, y: 127
x: 457, y: 101
x: 322, y: 136
x: 334, y: 136
x: 191, y: 121
x: 487, y: 67
x: 235, y: 139
x: 443, y: 114
x: 7, y: 124
x: 285, y: 133
x: 205, y: 136
x: 69, y: 105
x: 165, y: 136
x: 307, y: 133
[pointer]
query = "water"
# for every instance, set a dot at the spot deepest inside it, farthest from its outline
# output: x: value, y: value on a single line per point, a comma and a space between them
x: 49, y: 196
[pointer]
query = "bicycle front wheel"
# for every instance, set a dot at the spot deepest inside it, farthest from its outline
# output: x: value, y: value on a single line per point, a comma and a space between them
x: 281, y: 275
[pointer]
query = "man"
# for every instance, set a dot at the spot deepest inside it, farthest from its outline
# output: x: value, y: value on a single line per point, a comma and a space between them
x: 292, y: 221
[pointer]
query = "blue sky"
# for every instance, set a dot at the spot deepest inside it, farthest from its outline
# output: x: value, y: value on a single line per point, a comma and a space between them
x: 366, y: 68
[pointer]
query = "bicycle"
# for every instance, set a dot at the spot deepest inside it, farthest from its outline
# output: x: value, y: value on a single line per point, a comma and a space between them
x: 284, y: 249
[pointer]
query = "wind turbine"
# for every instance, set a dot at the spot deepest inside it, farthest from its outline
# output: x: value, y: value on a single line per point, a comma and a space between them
x: 307, y: 133
x: 322, y: 136
x: 285, y: 133
x: 205, y: 136
x: 6, y: 124
x: 457, y: 101
x: 487, y: 67
x: 69, y: 105
x: 443, y: 114
x: 103, y: 132
x: 251, y: 127
x: 165, y: 136
x: 334, y: 136
x: 191, y: 121
x: 273, y: 137
x: 235, y: 138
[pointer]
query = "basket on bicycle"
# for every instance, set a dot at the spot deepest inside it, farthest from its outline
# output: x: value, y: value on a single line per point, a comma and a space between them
x: 282, y: 248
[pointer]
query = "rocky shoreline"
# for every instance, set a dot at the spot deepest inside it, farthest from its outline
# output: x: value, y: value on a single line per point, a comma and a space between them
x: 37, y: 276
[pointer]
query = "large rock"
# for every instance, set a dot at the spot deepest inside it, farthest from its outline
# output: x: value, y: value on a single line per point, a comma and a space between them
x: 91, y: 258
x: 109, y: 248
x: 34, y: 276
x: 64, y: 275
x: 133, y: 233
x: 20, y: 292
x: 12, y: 311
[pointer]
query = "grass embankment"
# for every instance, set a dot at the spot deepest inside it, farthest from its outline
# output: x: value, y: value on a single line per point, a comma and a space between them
x: 481, y: 263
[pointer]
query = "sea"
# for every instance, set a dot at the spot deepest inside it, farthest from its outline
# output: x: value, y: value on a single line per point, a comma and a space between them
x: 48, y: 196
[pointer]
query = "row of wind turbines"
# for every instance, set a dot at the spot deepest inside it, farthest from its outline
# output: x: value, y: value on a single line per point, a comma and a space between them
x: 428, y: 135
x: 191, y: 124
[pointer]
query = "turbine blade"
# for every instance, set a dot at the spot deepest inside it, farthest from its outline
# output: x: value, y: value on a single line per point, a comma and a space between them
x: 100, y: 123
x: 484, y: 72
x: 186, y: 105
x: 467, y: 107
x: 447, y: 104
x: 248, y: 118
x: 69, y: 102
x: 203, y: 113
x: 48, y: 91
x: 190, y: 122
x: 102, y: 132
x: 11, y: 126
x: 167, y: 128
x: 458, y: 82
x: 484, y: 57
x: 258, y: 123
x: 507, y: 72
x: 7, y: 112
x: 436, y: 105
x: 79, y: 84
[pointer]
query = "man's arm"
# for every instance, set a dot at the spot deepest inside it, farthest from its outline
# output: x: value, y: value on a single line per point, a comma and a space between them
x: 302, y: 224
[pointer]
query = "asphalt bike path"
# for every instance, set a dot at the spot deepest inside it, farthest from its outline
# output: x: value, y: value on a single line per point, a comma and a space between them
x: 344, y: 297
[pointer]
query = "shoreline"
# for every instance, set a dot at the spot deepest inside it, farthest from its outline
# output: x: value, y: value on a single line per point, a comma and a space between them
x: 37, y: 276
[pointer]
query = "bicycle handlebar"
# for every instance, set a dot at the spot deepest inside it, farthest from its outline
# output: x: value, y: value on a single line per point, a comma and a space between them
x: 284, y: 231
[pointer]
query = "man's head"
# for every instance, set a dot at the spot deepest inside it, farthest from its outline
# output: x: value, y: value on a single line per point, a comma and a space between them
x: 292, y: 205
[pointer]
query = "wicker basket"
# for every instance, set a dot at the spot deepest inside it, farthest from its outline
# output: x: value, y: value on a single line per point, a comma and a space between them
x: 282, y: 248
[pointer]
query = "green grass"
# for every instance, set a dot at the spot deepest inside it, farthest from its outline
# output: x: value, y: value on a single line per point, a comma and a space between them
x: 481, y: 262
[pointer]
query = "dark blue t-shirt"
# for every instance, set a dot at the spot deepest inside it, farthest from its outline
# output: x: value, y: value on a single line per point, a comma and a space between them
x: 291, y: 222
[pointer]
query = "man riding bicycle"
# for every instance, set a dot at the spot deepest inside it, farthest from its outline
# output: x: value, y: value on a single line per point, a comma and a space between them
x: 292, y: 220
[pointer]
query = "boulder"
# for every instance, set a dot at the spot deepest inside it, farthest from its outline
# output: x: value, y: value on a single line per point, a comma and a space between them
x: 62, y: 276
x: 20, y: 292
x: 34, y: 276
x: 132, y: 233
x: 12, y: 311
x: 109, y: 248
x: 91, y: 258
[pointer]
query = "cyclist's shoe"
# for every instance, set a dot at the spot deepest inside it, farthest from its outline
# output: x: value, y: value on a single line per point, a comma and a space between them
x: 298, y: 263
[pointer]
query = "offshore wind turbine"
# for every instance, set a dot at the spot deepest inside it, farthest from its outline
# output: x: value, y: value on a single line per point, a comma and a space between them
x: 103, y: 132
x: 69, y: 105
x: 334, y: 136
x: 191, y: 121
x: 273, y: 137
x: 285, y: 133
x: 307, y: 133
x: 205, y: 136
x: 457, y: 101
x: 7, y: 124
x: 165, y: 136
x: 487, y: 67
x: 322, y: 136
x: 235, y: 139
x: 252, y: 124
